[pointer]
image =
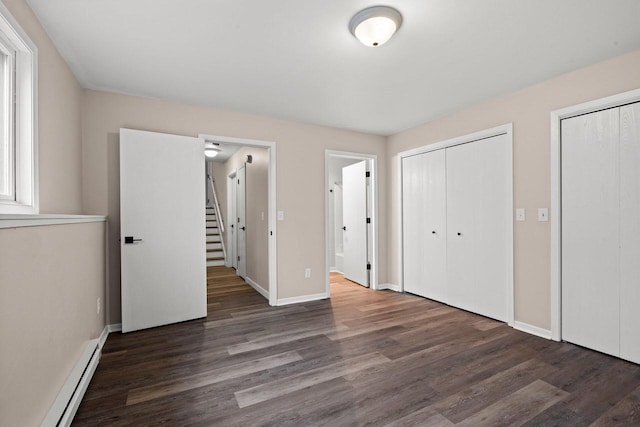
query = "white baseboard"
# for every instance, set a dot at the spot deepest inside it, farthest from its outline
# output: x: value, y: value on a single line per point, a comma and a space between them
x: 257, y: 287
x: 68, y: 400
x: 533, y: 330
x: 389, y: 286
x: 303, y: 298
x: 114, y: 327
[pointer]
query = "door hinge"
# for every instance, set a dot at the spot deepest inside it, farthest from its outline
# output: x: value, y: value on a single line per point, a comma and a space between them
x: 238, y: 181
x: 368, y: 220
x: 367, y: 174
x: 238, y: 257
x: 271, y: 233
x: 368, y: 266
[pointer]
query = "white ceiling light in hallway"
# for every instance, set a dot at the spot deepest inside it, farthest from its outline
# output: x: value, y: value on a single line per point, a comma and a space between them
x: 374, y: 26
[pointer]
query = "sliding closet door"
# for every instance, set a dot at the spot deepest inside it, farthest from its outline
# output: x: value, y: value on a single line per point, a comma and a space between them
x: 590, y: 230
x: 630, y: 232
x: 424, y: 224
x: 479, y: 224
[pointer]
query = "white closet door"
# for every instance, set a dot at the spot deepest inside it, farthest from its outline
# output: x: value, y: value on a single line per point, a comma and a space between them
x: 630, y: 232
x: 461, y: 266
x: 479, y: 226
x: 424, y: 225
x: 590, y: 230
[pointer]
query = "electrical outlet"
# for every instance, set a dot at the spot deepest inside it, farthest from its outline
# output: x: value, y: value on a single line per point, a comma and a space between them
x: 280, y: 215
x: 98, y: 305
x: 520, y: 214
x: 307, y: 273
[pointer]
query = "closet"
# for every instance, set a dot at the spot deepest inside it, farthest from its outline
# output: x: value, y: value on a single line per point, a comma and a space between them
x: 456, y: 225
x: 600, y: 234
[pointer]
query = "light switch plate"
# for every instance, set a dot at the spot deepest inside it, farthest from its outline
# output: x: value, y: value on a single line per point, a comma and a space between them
x: 543, y: 214
x: 280, y: 215
x: 520, y: 214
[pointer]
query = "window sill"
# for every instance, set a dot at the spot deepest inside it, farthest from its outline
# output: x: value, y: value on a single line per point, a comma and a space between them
x: 16, y: 221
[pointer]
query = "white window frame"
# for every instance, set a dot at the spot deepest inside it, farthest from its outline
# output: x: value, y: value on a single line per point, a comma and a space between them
x: 24, y: 135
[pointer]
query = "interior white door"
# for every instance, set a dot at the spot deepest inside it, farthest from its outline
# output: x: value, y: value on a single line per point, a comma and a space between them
x: 161, y: 193
x: 590, y: 230
x: 424, y: 225
x: 479, y: 225
x: 630, y: 232
x: 241, y: 212
x: 354, y: 217
x: 232, y: 220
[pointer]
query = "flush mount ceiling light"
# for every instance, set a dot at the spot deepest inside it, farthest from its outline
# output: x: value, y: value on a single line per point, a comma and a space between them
x: 211, y: 149
x: 375, y: 25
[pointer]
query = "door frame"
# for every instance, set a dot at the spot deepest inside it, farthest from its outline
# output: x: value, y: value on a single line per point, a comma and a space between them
x: 506, y: 129
x: 372, y: 164
x: 241, y: 186
x: 555, y: 214
x: 271, y: 210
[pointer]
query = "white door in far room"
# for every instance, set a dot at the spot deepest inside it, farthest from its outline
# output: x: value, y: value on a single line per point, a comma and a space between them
x: 163, y: 242
x: 241, y: 230
x: 354, y: 192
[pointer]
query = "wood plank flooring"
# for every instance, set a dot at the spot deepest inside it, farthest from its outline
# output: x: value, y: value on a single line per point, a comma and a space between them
x: 361, y: 358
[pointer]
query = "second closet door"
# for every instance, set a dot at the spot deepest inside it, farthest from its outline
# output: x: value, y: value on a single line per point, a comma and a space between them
x: 478, y: 223
x: 425, y: 225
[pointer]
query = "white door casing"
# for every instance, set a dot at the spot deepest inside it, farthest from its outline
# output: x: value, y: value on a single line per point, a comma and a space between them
x: 161, y: 193
x: 241, y: 225
x: 355, y: 247
x: 425, y: 224
x: 630, y: 235
x: 232, y: 220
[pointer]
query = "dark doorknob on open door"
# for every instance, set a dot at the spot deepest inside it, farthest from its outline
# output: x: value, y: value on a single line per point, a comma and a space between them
x: 242, y: 228
x: 129, y: 240
x: 344, y: 227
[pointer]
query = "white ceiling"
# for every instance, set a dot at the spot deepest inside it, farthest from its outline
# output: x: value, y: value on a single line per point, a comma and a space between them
x: 295, y: 59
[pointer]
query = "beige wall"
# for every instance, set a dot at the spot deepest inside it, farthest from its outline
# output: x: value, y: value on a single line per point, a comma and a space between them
x: 300, y: 175
x: 59, y: 117
x: 257, y: 202
x: 50, y: 280
x: 529, y: 111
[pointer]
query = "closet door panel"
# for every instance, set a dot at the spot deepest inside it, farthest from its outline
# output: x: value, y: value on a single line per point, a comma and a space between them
x: 461, y: 226
x: 424, y: 225
x: 493, y: 219
x: 630, y: 232
x: 590, y: 230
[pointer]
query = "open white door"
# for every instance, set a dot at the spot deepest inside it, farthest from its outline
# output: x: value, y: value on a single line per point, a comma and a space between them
x: 354, y: 217
x: 241, y: 212
x: 232, y: 219
x: 162, y: 229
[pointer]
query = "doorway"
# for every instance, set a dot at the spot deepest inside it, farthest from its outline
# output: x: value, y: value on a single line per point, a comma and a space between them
x: 251, y: 224
x: 357, y: 233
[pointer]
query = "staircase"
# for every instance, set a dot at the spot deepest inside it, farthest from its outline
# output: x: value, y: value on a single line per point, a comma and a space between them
x: 215, y: 253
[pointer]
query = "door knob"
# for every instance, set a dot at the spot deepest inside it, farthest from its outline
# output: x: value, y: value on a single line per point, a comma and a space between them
x: 459, y: 234
x: 344, y: 228
x: 433, y: 232
x: 129, y: 240
x: 242, y: 228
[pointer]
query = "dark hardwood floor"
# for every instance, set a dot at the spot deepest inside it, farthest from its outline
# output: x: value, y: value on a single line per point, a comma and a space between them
x: 360, y: 358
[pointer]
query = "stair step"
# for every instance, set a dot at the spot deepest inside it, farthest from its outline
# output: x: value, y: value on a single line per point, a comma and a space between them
x: 213, y: 238
x: 216, y: 263
x: 212, y: 223
x: 214, y: 246
x: 215, y: 258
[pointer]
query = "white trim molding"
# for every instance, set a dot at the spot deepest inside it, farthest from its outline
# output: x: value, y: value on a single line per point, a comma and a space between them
x: 257, y: 287
x: 273, y: 246
x: 533, y: 330
x: 302, y: 298
x: 372, y: 164
x: 16, y: 221
x: 68, y: 400
x: 389, y: 286
x: 114, y: 327
x: 555, y: 216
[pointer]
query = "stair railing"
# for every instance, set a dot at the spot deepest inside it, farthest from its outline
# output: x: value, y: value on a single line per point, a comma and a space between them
x: 216, y: 206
